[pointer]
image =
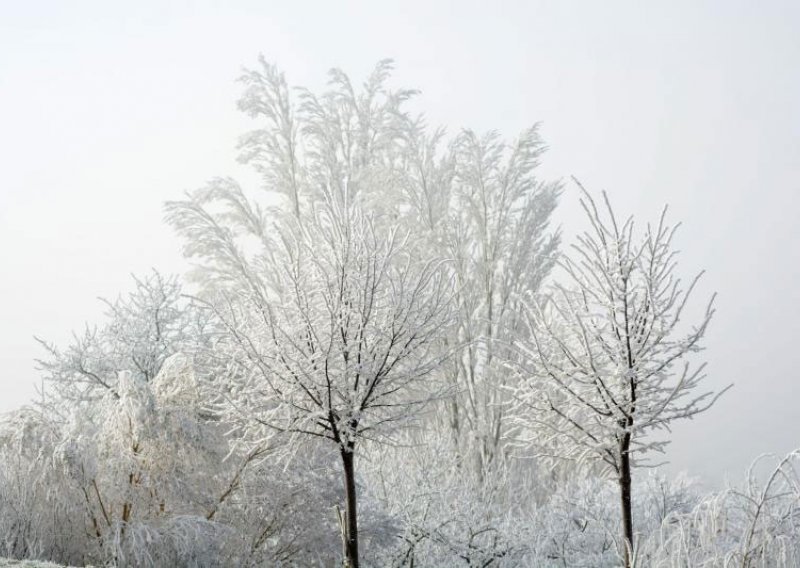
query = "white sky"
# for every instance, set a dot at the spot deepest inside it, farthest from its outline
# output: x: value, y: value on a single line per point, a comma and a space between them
x: 107, y: 109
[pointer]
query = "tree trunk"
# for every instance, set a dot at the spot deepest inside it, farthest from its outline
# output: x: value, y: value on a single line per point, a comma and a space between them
x: 625, y: 496
x: 351, y: 519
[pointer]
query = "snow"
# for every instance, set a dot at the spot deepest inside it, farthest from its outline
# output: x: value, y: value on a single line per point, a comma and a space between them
x: 28, y: 564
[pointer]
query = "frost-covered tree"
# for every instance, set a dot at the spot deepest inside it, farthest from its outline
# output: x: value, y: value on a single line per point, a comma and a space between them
x: 331, y: 330
x: 132, y: 465
x: 126, y: 445
x: 756, y: 523
x: 480, y: 203
x: 142, y: 330
x: 31, y: 521
x: 608, y: 365
x: 314, y: 147
x: 148, y: 478
x: 333, y: 313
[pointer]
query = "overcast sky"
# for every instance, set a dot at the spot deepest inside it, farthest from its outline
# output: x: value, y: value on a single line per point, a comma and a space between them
x: 107, y: 109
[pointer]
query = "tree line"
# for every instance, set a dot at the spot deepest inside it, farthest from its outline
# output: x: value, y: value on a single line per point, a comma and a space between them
x: 384, y: 356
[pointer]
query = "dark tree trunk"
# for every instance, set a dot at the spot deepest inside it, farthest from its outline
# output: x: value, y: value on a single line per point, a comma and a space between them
x: 625, y: 496
x: 351, y: 518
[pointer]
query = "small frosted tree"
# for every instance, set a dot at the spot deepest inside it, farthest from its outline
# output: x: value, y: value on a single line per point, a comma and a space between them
x: 607, y: 357
x: 331, y: 330
x: 142, y: 330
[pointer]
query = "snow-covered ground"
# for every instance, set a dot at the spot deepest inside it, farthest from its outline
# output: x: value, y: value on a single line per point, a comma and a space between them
x: 7, y: 562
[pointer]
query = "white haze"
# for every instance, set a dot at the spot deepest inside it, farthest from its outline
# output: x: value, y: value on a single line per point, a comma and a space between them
x: 108, y: 110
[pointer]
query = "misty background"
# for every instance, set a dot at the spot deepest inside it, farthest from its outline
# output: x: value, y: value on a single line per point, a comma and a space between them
x: 107, y: 111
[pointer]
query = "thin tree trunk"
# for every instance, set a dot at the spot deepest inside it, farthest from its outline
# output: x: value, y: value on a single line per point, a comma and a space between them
x: 625, y: 496
x: 351, y: 519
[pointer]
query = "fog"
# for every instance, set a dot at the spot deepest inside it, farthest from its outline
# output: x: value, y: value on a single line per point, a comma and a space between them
x: 108, y: 110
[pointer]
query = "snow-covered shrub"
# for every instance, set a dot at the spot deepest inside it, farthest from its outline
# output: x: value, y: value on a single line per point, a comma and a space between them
x: 755, y: 524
